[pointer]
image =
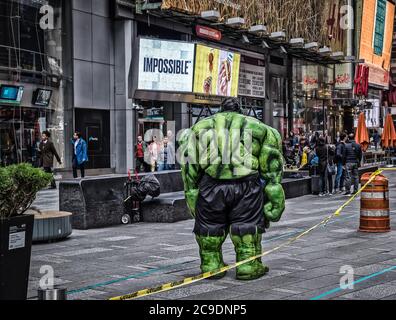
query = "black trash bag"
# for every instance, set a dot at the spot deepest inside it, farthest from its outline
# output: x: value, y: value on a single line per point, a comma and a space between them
x: 148, y: 185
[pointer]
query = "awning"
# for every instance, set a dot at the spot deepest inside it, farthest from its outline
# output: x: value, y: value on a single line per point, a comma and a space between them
x: 177, y: 97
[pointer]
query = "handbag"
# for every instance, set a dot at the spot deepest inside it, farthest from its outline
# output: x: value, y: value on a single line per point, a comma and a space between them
x: 331, y: 168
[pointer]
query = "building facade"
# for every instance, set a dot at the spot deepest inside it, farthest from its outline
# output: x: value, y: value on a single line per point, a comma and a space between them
x: 114, y: 70
x: 31, y: 84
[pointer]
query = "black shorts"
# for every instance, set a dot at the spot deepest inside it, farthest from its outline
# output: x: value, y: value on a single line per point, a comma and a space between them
x: 236, y: 206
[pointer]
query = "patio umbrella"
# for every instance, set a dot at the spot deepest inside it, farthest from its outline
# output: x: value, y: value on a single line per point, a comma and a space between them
x: 362, y: 136
x: 388, y: 139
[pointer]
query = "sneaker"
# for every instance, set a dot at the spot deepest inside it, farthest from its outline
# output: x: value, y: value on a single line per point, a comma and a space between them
x: 347, y: 194
x: 330, y: 194
x: 321, y: 194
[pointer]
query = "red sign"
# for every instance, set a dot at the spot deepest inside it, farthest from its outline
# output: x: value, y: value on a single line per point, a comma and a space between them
x: 208, y: 33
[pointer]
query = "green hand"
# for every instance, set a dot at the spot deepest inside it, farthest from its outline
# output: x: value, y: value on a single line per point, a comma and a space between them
x: 275, y: 205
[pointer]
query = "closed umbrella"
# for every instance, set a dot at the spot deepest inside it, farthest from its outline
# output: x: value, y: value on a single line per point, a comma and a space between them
x: 362, y: 135
x: 388, y: 139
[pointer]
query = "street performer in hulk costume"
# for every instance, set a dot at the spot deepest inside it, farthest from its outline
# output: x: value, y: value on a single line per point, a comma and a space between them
x: 232, y: 167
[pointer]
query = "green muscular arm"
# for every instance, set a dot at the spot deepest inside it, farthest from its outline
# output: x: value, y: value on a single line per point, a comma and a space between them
x: 271, y: 169
x: 190, y: 168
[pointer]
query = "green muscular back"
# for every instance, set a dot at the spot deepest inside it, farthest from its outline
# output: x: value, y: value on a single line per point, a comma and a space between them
x: 229, y: 146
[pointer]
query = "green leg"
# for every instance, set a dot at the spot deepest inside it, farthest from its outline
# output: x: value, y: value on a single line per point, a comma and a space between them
x: 211, y: 254
x: 246, y: 247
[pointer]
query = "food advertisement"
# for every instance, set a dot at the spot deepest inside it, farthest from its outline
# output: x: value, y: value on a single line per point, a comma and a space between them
x: 216, y: 72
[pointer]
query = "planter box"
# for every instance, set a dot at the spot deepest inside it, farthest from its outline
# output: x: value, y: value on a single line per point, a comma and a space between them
x: 52, y: 226
x: 15, y: 248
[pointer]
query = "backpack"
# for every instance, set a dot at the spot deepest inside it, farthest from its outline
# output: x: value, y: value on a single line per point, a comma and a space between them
x: 315, y: 161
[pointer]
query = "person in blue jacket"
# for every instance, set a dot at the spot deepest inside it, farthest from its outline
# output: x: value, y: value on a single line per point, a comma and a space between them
x: 80, y: 156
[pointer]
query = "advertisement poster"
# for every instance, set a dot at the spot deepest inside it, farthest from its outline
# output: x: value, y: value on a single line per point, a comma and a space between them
x: 216, y: 72
x: 310, y: 77
x: 166, y: 65
x: 252, y: 78
x: 343, y: 76
x: 372, y: 115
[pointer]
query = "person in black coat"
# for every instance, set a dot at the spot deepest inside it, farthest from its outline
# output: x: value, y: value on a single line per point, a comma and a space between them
x: 321, y: 152
x: 352, y: 157
x: 47, y: 153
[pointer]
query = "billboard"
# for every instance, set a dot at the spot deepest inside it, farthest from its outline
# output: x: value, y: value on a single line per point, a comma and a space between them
x: 166, y: 65
x: 252, y: 78
x: 216, y: 72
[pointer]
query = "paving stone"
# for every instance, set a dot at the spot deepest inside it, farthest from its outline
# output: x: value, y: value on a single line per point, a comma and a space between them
x: 154, y: 254
x: 373, y: 293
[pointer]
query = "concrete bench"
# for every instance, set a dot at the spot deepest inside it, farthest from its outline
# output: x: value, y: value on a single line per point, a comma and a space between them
x: 168, y: 207
x: 98, y: 202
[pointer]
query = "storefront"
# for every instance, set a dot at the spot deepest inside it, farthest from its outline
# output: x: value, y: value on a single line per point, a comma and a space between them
x: 25, y: 112
x: 31, y: 98
x: 313, y: 107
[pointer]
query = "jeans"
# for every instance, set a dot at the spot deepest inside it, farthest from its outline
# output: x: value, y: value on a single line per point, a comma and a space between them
x: 78, y: 166
x: 339, y: 181
x: 323, y: 178
x: 330, y: 182
x: 352, y: 177
x: 165, y: 167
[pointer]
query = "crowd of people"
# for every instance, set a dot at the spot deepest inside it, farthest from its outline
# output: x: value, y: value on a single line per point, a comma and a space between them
x: 158, y: 155
x: 335, y: 163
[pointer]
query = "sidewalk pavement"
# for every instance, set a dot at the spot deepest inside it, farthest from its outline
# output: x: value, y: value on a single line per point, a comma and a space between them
x: 102, y: 263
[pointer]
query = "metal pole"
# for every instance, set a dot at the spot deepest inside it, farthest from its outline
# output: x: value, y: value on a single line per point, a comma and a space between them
x: 52, y: 294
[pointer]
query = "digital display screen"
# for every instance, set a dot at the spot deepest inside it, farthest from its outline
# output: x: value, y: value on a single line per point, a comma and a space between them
x: 216, y: 72
x: 166, y: 65
x: 42, y: 97
x: 11, y: 94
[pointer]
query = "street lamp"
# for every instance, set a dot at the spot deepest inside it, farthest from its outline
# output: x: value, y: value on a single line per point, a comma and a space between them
x: 235, y: 22
x: 339, y: 55
x: 279, y: 35
x: 258, y: 29
x: 313, y: 46
x: 212, y: 15
x: 325, y: 51
x: 297, y: 42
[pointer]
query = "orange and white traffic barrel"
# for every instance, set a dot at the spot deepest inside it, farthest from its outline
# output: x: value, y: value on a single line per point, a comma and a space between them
x: 374, y: 205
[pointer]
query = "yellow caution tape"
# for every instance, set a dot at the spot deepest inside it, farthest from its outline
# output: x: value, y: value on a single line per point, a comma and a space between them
x: 200, y: 277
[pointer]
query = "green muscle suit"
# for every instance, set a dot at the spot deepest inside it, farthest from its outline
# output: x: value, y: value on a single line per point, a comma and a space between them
x: 232, y: 168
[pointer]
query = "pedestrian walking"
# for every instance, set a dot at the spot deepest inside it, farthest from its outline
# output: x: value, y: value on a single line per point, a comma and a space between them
x: 376, y: 139
x: 140, y: 150
x: 153, y: 151
x: 340, y: 161
x: 166, y: 154
x: 47, y: 153
x: 80, y: 154
x: 322, y: 153
x: 331, y: 168
x: 327, y: 137
x: 353, y: 157
x: 314, y: 140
